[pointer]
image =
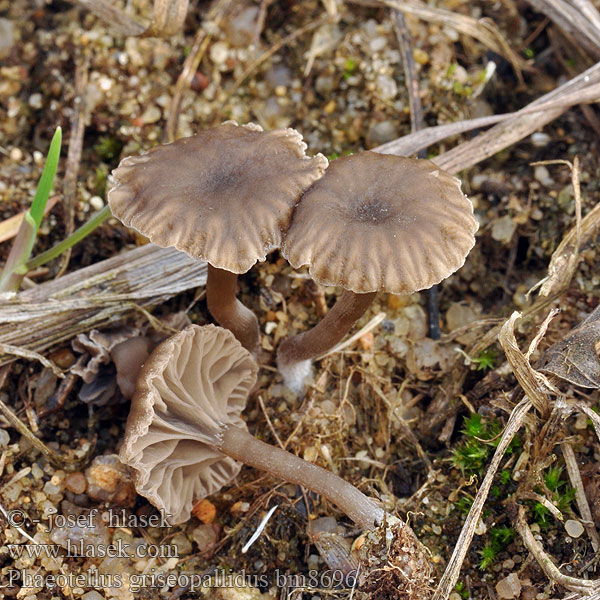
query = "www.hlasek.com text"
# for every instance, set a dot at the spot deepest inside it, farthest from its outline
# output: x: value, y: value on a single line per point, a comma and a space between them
x: 81, y: 549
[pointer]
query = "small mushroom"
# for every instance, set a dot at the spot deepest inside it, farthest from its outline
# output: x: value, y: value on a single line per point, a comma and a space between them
x: 185, y: 437
x: 98, y: 345
x: 129, y: 356
x: 224, y: 196
x: 372, y: 223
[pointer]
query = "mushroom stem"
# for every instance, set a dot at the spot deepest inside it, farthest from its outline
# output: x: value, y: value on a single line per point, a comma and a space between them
x: 245, y: 448
x: 294, y: 354
x: 228, y: 311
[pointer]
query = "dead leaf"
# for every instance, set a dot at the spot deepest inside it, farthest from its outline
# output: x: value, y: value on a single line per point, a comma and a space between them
x: 575, y: 358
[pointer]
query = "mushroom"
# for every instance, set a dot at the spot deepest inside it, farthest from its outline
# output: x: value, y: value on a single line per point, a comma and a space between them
x: 373, y: 222
x: 129, y: 356
x: 223, y: 196
x: 185, y: 438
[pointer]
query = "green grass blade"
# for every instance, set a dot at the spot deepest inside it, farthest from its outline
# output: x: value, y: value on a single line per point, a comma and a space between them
x: 69, y: 242
x: 45, y: 184
x: 12, y: 273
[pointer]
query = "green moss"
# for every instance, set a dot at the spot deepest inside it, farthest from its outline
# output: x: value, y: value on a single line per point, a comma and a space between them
x: 482, y: 437
x: 349, y: 68
x: 486, y: 359
x: 108, y: 148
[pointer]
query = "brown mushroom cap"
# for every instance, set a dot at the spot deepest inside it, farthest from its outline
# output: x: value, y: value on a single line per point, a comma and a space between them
x: 378, y: 222
x: 223, y: 196
x: 204, y: 376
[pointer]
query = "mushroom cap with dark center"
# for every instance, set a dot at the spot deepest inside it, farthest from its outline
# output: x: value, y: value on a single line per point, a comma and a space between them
x: 378, y: 222
x: 224, y: 195
x: 192, y: 386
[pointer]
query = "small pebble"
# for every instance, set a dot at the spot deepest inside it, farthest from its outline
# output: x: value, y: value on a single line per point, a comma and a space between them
x: 76, y: 483
x: 574, y: 528
x: 35, y: 101
x: 240, y: 26
x: 7, y: 37
x: 63, y: 357
x: 108, y: 480
x: 377, y: 44
x: 205, y: 536
x: 366, y: 341
x: 205, y: 511
x: 96, y: 202
x: 4, y: 438
x: 420, y: 56
x: 219, y: 52
x: 16, y: 154
x: 509, y: 587
x: 540, y: 140
x: 503, y: 229
x: 239, y: 507
x: 51, y: 489
x: 381, y: 132
x: 387, y: 87
x: 543, y: 176
x: 36, y: 471
x: 152, y: 114
x: 183, y: 545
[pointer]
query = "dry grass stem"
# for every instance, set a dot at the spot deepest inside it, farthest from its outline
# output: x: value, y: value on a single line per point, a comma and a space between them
x: 593, y: 416
x: 529, y: 495
x: 516, y: 128
x: 269, y: 422
x: 95, y: 296
x: 412, y: 143
x: 482, y: 30
x: 30, y: 355
x: 9, y: 227
x: 589, y: 12
x: 452, y: 572
x: 579, y: 26
x: 78, y: 121
x: 410, y: 72
x: 535, y: 385
x: 51, y: 455
x: 372, y: 324
x: 580, y: 497
x: 574, y: 584
x: 566, y: 256
x: 541, y: 332
x: 190, y: 65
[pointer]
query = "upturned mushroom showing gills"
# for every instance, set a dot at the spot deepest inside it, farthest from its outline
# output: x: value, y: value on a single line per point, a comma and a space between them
x: 223, y: 196
x: 373, y: 222
x: 185, y: 437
